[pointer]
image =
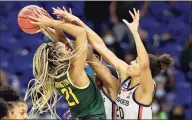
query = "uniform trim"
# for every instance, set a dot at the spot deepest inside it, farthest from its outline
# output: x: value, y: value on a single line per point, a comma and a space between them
x: 75, y: 85
x: 128, y: 89
x: 113, y: 102
x: 125, y: 81
x: 140, y: 112
x: 118, y: 77
x: 113, y: 111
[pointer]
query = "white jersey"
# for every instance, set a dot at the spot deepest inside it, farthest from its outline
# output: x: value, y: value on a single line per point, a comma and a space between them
x: 128, y: 107
x: 110, y: 107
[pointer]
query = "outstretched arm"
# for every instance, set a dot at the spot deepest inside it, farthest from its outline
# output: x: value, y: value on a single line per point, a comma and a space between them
x: 56, y: 35
x: 111, y: 84
x: 146, y: 86
x: 78, y: 61
x: 97, y: 44
x: 60, y: 36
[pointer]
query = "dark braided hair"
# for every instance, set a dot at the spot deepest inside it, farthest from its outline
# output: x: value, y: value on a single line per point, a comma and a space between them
x: 3, y: 108
x: 159, y: 63
x: 8, y: 97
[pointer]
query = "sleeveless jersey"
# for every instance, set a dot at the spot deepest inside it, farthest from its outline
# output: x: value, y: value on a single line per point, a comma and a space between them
x: 128, y: 107
x: 110, y: 105
x: 84, y: 103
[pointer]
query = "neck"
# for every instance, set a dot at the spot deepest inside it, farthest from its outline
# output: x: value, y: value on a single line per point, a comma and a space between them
x: 134, y: 81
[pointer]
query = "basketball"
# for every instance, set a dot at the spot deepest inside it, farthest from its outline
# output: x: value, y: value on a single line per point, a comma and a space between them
x: 24, y: 21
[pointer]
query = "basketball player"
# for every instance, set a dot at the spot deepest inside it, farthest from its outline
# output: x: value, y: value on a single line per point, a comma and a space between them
x: 109, y: 104
x: 135, y: 101
x: 11, y: 106
x: 58, y: 68
x: 109, y: 87
x: 104, y: 74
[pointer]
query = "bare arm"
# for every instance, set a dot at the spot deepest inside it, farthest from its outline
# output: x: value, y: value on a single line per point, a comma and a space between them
x: 78, y: 61
x: 60, y: 36
x: 103, y: 73
x: 146, y: 86
x: 76, y: 70
x: 98, y: 44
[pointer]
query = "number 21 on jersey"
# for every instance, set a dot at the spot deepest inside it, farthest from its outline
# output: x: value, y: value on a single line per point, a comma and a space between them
x: 69, y: 93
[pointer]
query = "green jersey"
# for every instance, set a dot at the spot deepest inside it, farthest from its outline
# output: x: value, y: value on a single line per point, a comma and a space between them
x: 85, y: 103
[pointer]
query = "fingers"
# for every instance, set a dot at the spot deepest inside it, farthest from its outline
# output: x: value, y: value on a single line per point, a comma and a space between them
x: 43, y: 10
x: 35, y: 23
x: 132, y: 15
x: 42, y: 29
x: 125, y: 21
x: 70, y: 11
x: 138, y: 16
x: 59, y: 8
x: 54, y: 9
x: 36, y: 13
x: 135, y: 12
x: 33, y: 18
x: 64, y: 8
x: 38, y: 31
x: 59, y: 18
x: 39, y: 11
x: 135, y: 16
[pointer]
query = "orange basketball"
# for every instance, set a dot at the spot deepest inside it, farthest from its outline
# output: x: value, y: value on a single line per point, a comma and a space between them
x: 23, y: 20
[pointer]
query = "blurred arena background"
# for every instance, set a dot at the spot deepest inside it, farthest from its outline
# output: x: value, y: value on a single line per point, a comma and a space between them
x: 165, y: 27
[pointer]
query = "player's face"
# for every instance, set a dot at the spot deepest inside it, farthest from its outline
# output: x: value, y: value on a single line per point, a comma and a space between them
x: 19, y: 111
x: 134, y: 68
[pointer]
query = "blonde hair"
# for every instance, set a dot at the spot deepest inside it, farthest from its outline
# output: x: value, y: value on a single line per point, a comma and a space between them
x: 49, y: 62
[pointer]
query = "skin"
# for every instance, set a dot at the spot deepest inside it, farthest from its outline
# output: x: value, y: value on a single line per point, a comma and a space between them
x: 76, y: 70
x: 144, y: 93
x: 19, y: 111
x: 103, y: 73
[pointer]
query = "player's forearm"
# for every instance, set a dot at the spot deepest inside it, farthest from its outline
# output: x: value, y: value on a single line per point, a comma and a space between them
x: 101, y: 48
x: 141, y: 51
x: 60, y: 36
x: 71, y: 29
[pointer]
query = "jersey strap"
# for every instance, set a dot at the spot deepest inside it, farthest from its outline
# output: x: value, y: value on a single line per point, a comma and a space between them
x: 108, y: 96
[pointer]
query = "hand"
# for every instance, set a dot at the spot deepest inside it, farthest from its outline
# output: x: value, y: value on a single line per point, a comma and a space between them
x: 40, y: 19
x: 56, y: 33
x: 134, y: 25
x: 65, y: 15
x: 45, y: 13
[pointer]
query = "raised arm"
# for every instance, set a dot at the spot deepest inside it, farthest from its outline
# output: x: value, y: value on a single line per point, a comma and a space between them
x: 110, y: 83
x: 56, y: 34
x: 78, y: 61
x: 97, y: 44
x: 146, y: 86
